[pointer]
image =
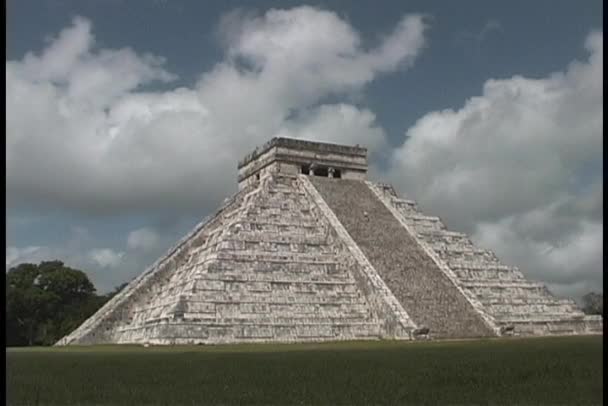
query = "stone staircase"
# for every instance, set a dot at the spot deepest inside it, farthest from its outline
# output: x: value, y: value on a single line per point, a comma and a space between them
x: 99, y: 328
x: 505, y: 294
x: 426, y: 293
x: 293, y: 258
x: 267, y: 268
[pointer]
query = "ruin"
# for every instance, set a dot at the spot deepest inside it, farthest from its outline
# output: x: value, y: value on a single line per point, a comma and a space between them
x: 309, y: 250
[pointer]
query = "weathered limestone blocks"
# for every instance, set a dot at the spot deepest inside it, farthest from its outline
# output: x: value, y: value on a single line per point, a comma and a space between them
x: 307, y: 250
x: 395, y: 321
x: 100, y: 327
x: 488, y: 273
x: 287, y: 156
x: 424, y: 291
x: 181, y: 332
x: 268, y: 268
x: 502, y: 291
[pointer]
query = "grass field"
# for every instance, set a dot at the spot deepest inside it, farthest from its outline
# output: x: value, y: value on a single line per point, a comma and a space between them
x: 559, y: 370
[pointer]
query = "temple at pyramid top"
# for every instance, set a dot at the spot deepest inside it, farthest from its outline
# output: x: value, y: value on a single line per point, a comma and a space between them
x: 291, y: 156
x: 309, y: 249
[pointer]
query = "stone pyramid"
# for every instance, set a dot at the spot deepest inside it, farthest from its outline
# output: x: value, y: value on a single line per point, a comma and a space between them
x: 309, y: 250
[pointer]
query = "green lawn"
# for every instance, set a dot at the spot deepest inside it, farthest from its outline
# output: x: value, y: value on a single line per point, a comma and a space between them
x: 559, y: 370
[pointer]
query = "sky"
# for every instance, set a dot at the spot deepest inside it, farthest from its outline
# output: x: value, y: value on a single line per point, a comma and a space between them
x: 126, y: 119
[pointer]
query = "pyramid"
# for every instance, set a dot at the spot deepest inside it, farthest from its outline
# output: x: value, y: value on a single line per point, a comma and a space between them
x: 309, y: 250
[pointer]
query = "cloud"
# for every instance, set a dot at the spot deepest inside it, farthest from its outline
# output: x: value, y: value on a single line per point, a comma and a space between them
x: 31, y: 254
x: 69, y: 250
x: 519, y: 167
x: 338, y: 123
x: 106, y: 258
x: 86, y: 132
x: 143, y: 239
x: 93, y: 261
x: 105, y: 267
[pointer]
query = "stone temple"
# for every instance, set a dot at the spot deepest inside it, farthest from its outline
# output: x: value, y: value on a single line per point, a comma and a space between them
x: 309, y: 250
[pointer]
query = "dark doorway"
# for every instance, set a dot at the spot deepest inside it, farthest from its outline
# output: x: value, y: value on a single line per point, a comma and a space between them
x: 305, y: 169
x: 321, y: 172
x: 337, y: 174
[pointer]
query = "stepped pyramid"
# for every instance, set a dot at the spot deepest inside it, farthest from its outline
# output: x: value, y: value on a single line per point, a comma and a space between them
x: 309, y: 250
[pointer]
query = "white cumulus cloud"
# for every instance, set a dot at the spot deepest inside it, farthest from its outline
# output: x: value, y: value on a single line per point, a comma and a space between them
x: 520, y: 168
x: 29, y: 254
x: 143, y: 239
x: 105, y: 257
x: 83, y: 133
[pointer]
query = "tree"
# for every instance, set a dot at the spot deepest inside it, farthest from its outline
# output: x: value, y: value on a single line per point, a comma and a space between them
x: 593, y: 303
x: 45, y: 302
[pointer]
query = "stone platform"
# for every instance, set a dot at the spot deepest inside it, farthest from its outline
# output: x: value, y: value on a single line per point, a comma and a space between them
x: 309, y: 250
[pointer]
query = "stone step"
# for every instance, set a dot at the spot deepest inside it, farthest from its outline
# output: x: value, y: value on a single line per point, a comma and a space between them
x: 468, y: 263
x: 474, y: 260
x: 405, y: 208
x: 279, y: 298
x: 283, y: 206
x: 477, y: 266
x: 490, y: 274
x: 423, y: 225
x: 462, y: 251
x: 422, y: 218
x: 281, y: 317
x: 278, y: 257
x: 422, y: 288
x: 442, y: 234
x: 502, y: 285
x: 272, y: 329
x: 277, y: 226
x: 262, y: 247
x: 315, y: 237
x: 385, y: 188
x: 530, y: 297
x: 403, y: 202
x: 540, y: 318
x: 202, y: 285
x: 443, y: 242
x: 528, y: 308
x: 276, y: 278
x: 274, y: 216
x: 276, y: 267
x: 292, y: 303
x: 251, y: 321
x: 289, y: 191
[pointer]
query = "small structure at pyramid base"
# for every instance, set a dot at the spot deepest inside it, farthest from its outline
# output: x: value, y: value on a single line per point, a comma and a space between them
x: 310, y: 250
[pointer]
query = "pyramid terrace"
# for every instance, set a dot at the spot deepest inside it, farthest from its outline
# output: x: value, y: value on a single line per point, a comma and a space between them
x: 309, y: 249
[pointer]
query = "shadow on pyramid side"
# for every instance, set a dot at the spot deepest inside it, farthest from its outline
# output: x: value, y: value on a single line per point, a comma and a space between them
x: 309, y: 250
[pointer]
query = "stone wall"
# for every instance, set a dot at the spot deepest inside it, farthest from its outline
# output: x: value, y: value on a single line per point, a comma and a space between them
x: 101, y: 326
x: 306, y: 146
x: 426, y: 294
x: 271, y: 268
x: 287, y: 156
x: 504, y: 293
x: 397, y: 324
x: 294, y: 258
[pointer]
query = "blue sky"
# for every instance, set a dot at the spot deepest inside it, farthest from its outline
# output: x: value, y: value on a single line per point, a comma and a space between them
x: 465, y: 118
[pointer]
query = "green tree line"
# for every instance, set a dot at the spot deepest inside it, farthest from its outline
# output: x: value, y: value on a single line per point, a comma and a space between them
x: 45, y: 302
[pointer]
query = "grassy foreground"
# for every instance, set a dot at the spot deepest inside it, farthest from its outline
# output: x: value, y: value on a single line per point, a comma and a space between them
x: 560, y: 370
